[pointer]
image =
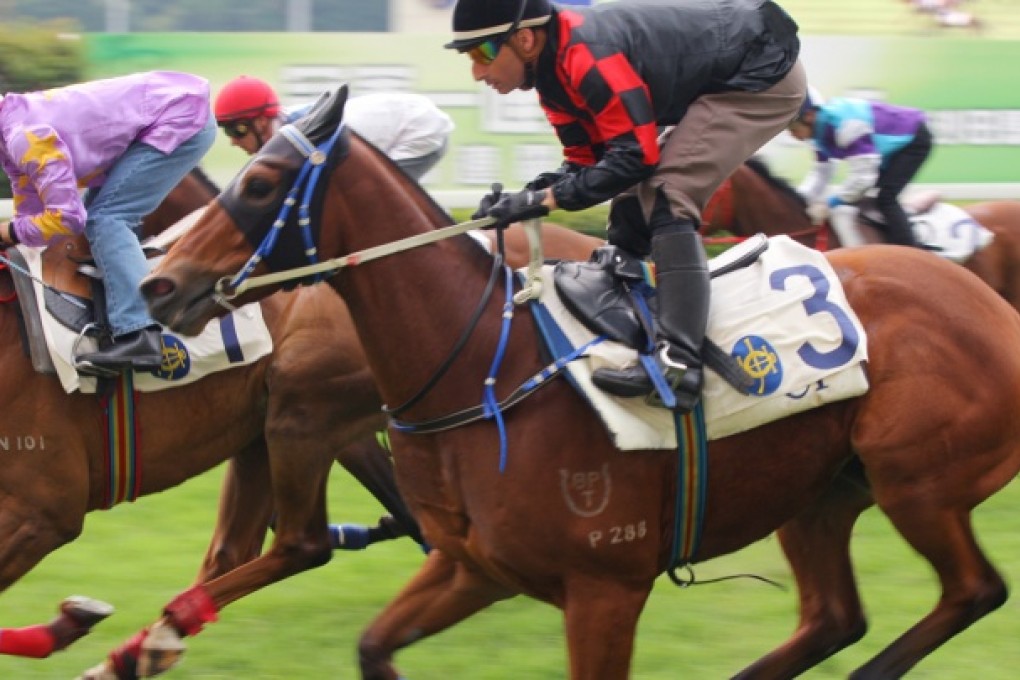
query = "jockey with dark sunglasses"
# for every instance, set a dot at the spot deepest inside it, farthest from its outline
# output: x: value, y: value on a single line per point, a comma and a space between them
x: 246, y: 110
x: 655, y: 103
x: 407, y: 127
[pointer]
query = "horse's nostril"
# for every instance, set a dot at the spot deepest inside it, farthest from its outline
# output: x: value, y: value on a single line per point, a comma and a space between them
x: 158, y: 288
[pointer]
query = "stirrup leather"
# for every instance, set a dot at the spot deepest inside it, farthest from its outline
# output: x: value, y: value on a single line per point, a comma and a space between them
x: 666, y: 374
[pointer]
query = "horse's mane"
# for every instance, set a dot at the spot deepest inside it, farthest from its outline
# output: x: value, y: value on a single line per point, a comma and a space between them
x: 761, y: 169
x: 198, y: 173
x: 423, y: 196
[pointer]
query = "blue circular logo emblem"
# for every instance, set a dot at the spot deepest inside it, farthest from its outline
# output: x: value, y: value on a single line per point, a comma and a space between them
x: 176, y: 360
x: 760, y: 362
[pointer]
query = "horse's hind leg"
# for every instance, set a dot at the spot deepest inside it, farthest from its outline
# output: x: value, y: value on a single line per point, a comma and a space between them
x: 817, y: 546
x: 441, y: 594
x: 371, y: 465
x: 971, y: 587
x: 31, y: 531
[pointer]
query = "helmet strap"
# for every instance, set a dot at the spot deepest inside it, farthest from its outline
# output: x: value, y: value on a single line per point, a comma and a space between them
x: 274, y: 126
x: 529, y: 62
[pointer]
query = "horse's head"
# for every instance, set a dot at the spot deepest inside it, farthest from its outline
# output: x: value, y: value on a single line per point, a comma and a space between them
x: 244, y: 228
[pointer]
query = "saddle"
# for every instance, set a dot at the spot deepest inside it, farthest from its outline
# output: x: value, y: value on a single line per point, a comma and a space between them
x: 61, y: 313
x: 943, y: 228
x: 609, y: 295
x: 73, y: 293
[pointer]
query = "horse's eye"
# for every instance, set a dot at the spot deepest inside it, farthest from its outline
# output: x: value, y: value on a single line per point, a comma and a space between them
x: 259, y: 188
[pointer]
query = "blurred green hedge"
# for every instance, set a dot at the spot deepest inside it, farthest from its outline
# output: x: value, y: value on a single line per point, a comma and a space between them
x: 37, y: 57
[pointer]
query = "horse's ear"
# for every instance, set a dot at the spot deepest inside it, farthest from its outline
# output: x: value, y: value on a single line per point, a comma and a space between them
x: 325, y: 115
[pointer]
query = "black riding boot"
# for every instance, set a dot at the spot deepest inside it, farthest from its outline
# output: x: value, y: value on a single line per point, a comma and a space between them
x: 683, y: 290
x: 140, y: 350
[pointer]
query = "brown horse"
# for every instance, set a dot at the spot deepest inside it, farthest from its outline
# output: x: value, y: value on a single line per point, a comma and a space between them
x: 754, y: 201
x: 255, y: 482
x: 260, y: 414
x: 926, y: 445
x: 280, y: 442
x: 365, y: 460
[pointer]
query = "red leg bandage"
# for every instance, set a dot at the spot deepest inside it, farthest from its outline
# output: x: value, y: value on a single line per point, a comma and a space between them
x: 125, y: 657
x: 33, y: 641
x: 191, y: 610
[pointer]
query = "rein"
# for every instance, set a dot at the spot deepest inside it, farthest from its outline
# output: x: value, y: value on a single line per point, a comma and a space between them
x: 497, y: 265
x: 490, y: 407
x: 15, y: 267
x: 819, y: 232
x: 229, y: 288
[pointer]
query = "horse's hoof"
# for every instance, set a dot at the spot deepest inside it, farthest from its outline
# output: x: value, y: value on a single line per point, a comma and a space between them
x: 85, y: 611
x: 78, y: 614
x: 161, y: 650
x: 99, y: 672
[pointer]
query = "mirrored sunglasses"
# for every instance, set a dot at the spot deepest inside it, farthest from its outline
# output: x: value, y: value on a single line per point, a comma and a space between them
x: 236, y: 129
x: 485, y: 53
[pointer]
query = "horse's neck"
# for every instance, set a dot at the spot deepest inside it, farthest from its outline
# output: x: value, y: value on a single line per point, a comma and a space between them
x: 171, y: 234
x: 762, y: 207
x: 411, y: 307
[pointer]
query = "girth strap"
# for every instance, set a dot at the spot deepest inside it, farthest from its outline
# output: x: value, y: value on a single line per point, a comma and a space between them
x: 483, y: 412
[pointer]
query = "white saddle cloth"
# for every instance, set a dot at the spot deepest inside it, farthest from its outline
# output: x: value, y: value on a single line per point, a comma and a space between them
x: 950, y: 232
x: 787, y: 320
x: 238, y: 339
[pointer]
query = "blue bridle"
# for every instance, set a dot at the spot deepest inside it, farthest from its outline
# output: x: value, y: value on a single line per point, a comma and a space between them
x: 307, y: 180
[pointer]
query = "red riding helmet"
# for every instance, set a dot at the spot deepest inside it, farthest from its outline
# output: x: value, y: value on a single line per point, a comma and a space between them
x: 244, y: 98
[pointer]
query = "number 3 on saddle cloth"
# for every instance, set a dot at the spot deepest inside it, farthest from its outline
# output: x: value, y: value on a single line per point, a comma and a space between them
x: 783, y: 319
x: 56, y: 317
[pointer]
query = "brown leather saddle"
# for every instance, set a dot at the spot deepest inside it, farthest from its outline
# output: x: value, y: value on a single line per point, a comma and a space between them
x: 73, y: 294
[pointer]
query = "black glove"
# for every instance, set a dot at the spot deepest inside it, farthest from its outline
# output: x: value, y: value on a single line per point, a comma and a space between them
x: 524, y: 205
x: 488, y: 200
x: 547, y: 179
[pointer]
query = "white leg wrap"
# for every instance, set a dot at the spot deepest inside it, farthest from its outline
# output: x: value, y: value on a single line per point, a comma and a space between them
x: 843, y: 219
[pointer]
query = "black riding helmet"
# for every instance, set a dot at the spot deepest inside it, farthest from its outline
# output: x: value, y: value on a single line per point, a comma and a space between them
x: 475, y: 21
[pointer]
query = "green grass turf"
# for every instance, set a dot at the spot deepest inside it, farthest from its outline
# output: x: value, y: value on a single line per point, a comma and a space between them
x: 137, y: 557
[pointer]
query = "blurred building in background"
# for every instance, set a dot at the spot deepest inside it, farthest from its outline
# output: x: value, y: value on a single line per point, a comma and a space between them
x: 123, y: 16
x: 882, y: 48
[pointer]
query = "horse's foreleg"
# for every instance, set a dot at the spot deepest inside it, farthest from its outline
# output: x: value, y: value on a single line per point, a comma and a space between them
x: 601, y: 622
x: 441, y: 594
x: 971, y: 587
x: 246, y: 506
x: 817, y: 546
